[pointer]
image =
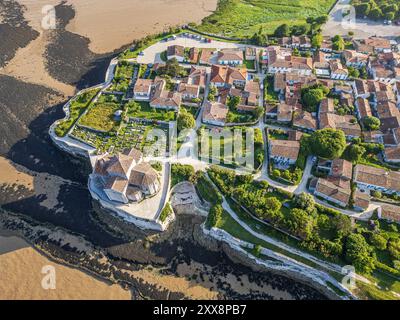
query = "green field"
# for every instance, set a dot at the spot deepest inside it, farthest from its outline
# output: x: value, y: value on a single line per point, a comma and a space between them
x: 100, y: 117
x: 242, y: 18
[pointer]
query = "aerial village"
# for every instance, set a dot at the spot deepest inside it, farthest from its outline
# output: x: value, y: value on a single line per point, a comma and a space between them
x: 286, y: 91
x: 326, y: 150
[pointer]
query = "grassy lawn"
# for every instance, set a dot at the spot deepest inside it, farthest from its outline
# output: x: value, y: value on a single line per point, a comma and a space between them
x: 150, y: 113
x: 240, y: 117
x: 77, y: 107
x: 250, y: 64
x: 270, y: 95
x: 100, y: 117
x: 124, y: 70
x: 207, y: 191
x: 242, y: 18
x: 190, y: 109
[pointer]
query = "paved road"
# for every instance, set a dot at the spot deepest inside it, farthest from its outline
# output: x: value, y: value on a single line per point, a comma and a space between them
x: 152, y: 53
x: 362, y: 28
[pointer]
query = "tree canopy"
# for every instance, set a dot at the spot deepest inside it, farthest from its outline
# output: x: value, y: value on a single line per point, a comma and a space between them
x: 327, y: 143
x: 359, y: 253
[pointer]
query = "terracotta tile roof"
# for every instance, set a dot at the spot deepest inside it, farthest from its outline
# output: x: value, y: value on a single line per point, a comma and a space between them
x: 333, y: 191
x: 252, y: 87
x: 284, y: 148
x: 230, y: 55
x: 305, y: 119
x: 390, y: 212
x: 361, y: 199
x: 188, y: 89
x: 392, y: 153
x: 361, y: 86
x: 327, y: 105
x: 206, y: 55
x: 342, y: 169
x: 143, y: 85
x: 143, y: 175
x: 117, y: 184
x: 364, y: 108
x: 215, y: 111
x: 285, y: 112
x: 226, y: 74
x: 197, y: 76
x: 378, y: 177
x: 175, y: 50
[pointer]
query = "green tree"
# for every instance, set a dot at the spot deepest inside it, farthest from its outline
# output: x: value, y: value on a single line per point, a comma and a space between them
x: 272, y: 204
x: 311, y: 98
x: 354, y: 153
x: 341, y: 225
x: 375, y: 14
x: 359, y: 253
x: 316, y: 40
x: 282, y: 31
x: 362, y: 9
x: 353, y: 72
x: 215, y: 216
x: 301, y: 223
x: 371, y: 123
x: 338, y: 43
x: 305, y: 202
x: 185, y: 120
x: 378, y: 241
x: 394, y: 248
x: 234, y: 102
x: 327, y: 143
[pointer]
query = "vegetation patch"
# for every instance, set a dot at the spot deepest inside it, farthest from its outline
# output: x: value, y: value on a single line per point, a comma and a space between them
x: 101, y: 117
x: 77, y: 106
x: 244, y: 18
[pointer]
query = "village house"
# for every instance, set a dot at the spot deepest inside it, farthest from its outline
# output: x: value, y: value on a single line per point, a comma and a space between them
x: 281, y: 60
x: 125, y: 177
x: 336, y: 187
x: 250, y: 53
x: 225, y: 76
x: 338, y: 72
x: 355, y: 59
x: 215, y: 113
x: 197, y: 76
x: 392, y: 154
x: 188, y: 91
x: 194, y: 54
x: 305, y: 120
x: 142, y: 89
x: 206, y: 56
x: 360, y: 89
x: 348, y: 124
x: 361, y: 201
x: 177, y: 52
x: 385, y: 67
x: 389, y: 212
x: 372, y: 45
x: 230, y: 57
x: 333, y: 190
x: 285, y: 113
x: 164, y: 99
x: 327, y: 44
x: 363, y: 108
x: 371, y: 178
x: 283, y: 153
x: 299, y: 42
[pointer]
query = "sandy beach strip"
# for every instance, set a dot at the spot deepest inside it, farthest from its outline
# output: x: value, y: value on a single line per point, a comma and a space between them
x: 21, y: 267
